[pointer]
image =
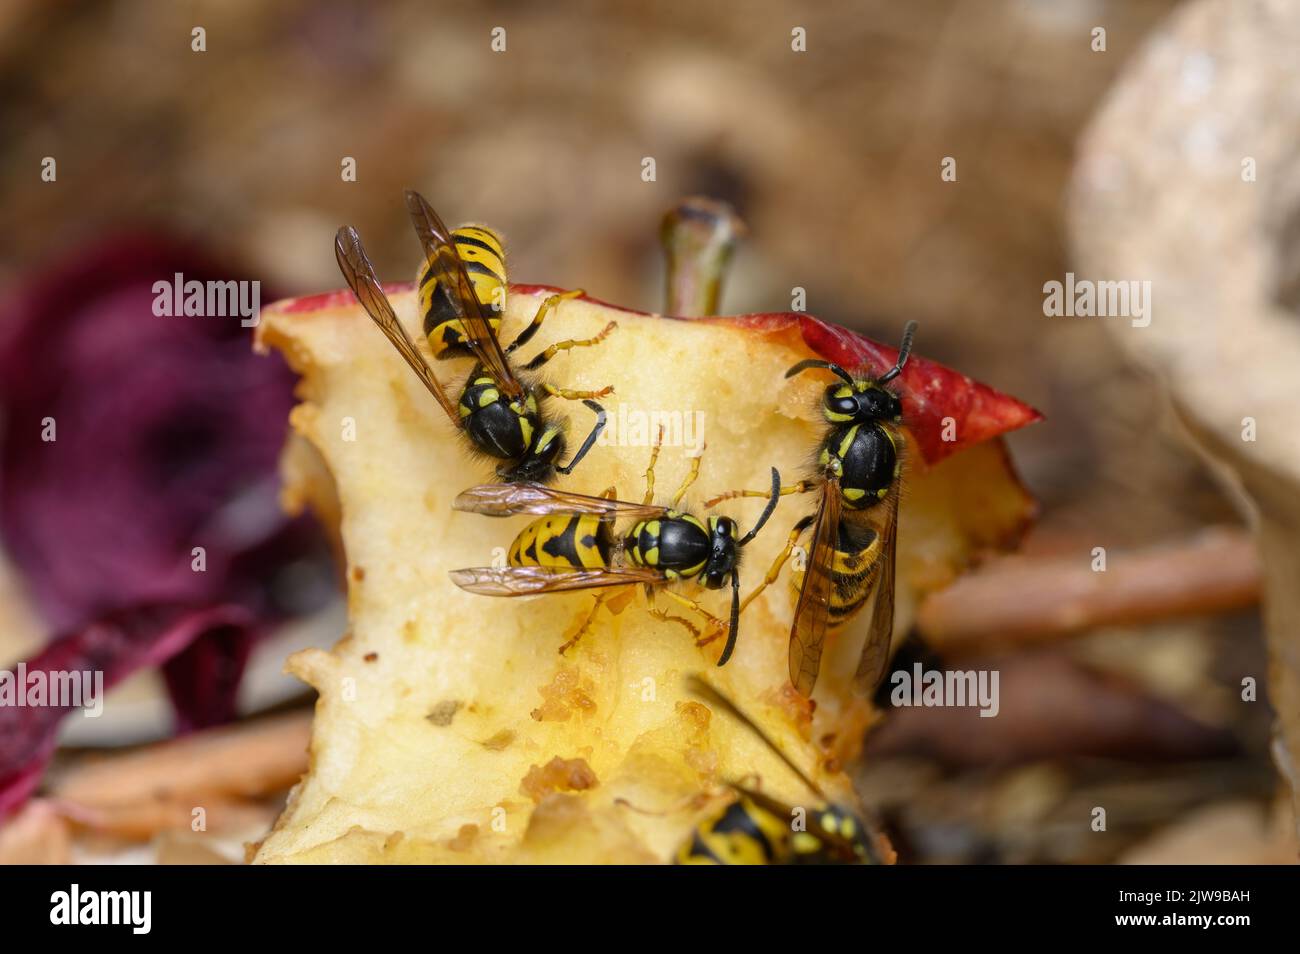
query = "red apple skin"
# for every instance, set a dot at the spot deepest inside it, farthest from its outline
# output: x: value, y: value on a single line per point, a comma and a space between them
x: 932, y: 394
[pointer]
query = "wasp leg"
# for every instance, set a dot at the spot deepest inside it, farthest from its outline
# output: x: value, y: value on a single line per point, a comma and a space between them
x: 690, y: 477
x: 590, y: 442
x: 673, y: 617
x: 650, y: 468
x: 568, y: 344
x: 571, y: 395
x: 713, y: 627
x: 586, y: 624
x: 802, y: 487
x: 781, y: 559
x: 543, y: 313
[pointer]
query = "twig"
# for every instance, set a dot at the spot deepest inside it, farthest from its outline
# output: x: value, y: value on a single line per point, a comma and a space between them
x: 141, y: 820
x: 1019, y: 599
x: 247, y: 760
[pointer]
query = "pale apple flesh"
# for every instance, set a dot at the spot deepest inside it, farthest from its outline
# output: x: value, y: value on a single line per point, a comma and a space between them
x: 449, y: 728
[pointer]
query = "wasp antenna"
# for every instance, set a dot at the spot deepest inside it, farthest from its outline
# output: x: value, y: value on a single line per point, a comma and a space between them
x: 823, y: 365
x: 681, y: 805
x: 734, y: 629
x: 624, y: 803
x: 767, y: 511
x: 703, y: 688
x: 589, y: 442
x: 904, y: 349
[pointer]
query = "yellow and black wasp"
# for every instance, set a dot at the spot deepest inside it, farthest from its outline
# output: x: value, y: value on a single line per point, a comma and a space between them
x: 856, y: 476
x: 574, y: 547
x: 757, y: 829
x: 461, y: 292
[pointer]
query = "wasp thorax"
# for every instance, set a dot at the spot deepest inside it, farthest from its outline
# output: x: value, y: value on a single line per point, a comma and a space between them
x: 495, y: 424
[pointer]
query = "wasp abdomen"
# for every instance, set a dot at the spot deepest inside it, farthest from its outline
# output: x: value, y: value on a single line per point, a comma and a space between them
x: 742, y: 834
x: 563, y: 541
x: 853, y: 571
x: 481, y: 252
x: 746, y: 832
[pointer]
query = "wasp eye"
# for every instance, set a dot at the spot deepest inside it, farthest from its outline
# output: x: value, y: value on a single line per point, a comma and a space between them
x: 842, y: 405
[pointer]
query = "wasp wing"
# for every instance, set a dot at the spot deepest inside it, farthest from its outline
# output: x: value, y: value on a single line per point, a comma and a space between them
x: 875, y: 651
x: 715, y: 697
x: 360, y: 276
x: 531, y: 580
x: 504, y: 500
x: 775, y: 806
x: 808, y: 632
x: 449, y: 272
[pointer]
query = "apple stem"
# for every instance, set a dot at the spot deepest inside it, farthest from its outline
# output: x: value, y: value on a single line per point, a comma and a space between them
x: 698, y: 235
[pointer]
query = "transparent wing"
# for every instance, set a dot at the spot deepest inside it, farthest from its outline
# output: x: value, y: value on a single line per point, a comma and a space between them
x: 808, y: 632
x: 360, y: 276
x: 504, y: 500
x: 531, y: 580
x: 875, y: 651
x: 715, y: 697
x: 774, y: 806
x: 449, y: 272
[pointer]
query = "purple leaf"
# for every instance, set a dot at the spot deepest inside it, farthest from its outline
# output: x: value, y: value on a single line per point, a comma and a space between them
x: 117, y: 646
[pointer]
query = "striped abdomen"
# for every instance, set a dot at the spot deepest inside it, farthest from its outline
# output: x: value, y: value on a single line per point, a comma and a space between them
x: 747, y: 832
x: 485, y: 262
x: 853, y: 572
x: 743, y: 833
x: 566, y: 541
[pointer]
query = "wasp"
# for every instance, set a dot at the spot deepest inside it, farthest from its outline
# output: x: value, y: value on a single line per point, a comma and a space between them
x: 574, y: 546
x: 502, y: 414
x: 756, y: 829
x: 856, y: 477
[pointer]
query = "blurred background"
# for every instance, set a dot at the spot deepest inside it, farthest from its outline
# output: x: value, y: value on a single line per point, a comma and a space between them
x: 228, y: 162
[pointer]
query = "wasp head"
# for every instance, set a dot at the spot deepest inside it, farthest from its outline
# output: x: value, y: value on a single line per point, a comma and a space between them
x: 538, y: 464
x: 723, y: 553
x: 861, y: 402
